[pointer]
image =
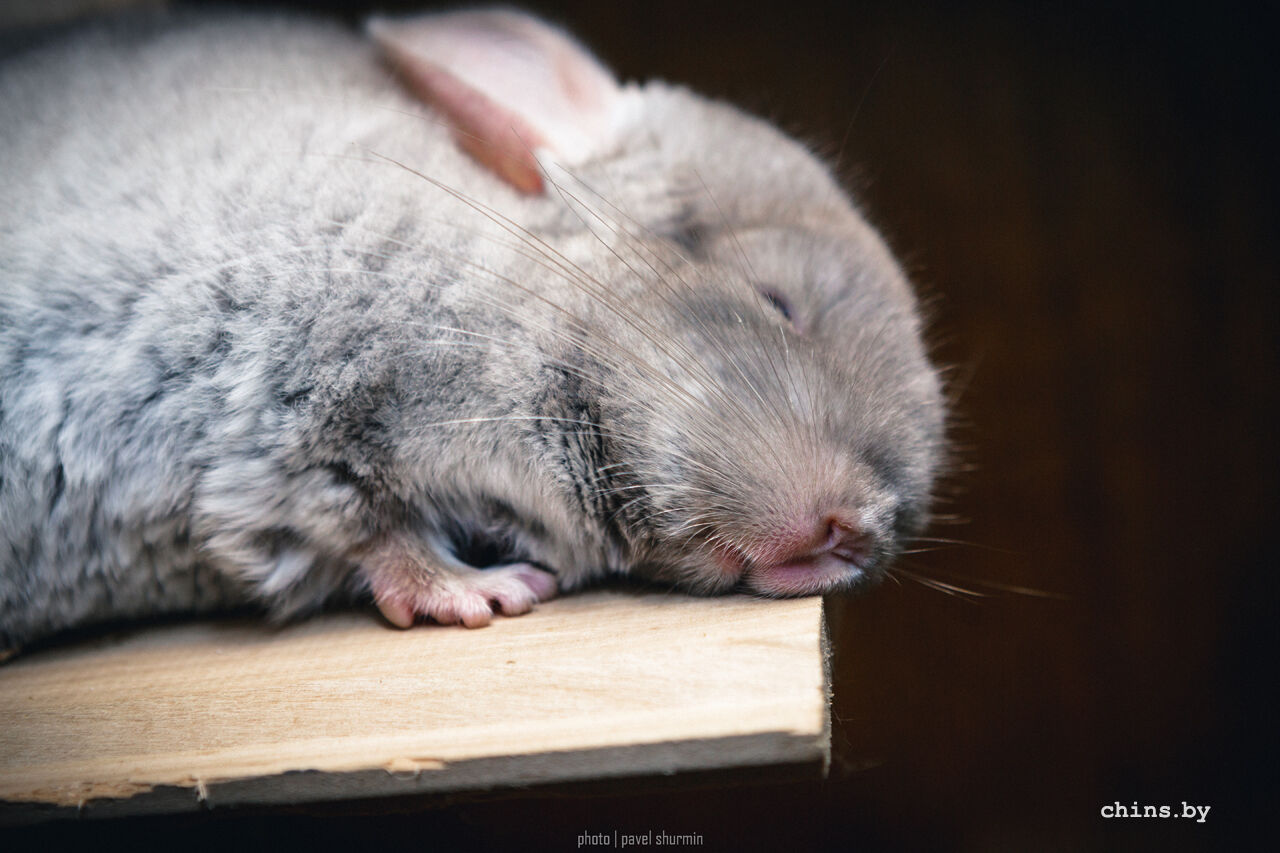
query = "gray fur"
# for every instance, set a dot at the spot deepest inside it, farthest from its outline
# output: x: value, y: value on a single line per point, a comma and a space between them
x: 241, y: 344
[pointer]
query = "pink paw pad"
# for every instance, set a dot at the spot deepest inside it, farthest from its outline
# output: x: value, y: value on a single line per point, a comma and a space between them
x: 468, y: 598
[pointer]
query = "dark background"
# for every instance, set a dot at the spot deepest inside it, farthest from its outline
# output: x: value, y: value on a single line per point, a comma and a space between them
x: 1086, y: 196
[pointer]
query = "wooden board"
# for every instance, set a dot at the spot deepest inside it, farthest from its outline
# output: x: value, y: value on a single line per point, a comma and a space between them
x: 601, y: 685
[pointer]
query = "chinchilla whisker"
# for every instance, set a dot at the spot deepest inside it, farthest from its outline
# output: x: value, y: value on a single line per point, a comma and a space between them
x: 748, y: 271
x: 710, y: 338
x: 693, y: 528
x: 1016, y: 589
x: 704, y: 519
x: 745, y: 416
x: 961, y: 542
x: 681, y: 487
x: 691, y: 359
x: 941, y: 586
x: 605, y: 358
x: 653, y: 374
x: 596, y: 290
x: 604, y: 468
x: 649, y: 517
x: 643, y: 474
x: 565, y: 366
x: 426, y: 118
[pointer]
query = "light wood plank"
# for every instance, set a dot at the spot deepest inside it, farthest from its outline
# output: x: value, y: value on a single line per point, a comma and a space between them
x: 609, y: 683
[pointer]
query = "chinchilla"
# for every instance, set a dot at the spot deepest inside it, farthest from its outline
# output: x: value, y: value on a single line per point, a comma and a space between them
x: 437, y: 313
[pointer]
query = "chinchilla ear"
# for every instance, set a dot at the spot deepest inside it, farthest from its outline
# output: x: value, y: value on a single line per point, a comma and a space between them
x: 509, y: 84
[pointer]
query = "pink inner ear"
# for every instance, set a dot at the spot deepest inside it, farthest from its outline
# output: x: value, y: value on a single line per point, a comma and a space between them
x: 508, y: 84
x: 498, y: 139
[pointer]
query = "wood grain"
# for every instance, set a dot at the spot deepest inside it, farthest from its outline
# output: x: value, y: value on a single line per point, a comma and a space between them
x: 609, y: 683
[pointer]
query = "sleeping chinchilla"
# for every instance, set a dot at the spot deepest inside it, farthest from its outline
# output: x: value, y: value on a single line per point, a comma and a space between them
x: 438, y: 313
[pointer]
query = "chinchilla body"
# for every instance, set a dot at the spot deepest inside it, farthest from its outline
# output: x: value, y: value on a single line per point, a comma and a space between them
x: 270, y: 335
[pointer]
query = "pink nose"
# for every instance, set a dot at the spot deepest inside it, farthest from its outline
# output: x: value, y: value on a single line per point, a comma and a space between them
x: 844, y: 540
x: 835, y: 551
x: 833, y: 537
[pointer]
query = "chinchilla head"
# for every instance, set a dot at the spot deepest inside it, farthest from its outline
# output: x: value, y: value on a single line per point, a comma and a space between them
x: 732, y: 356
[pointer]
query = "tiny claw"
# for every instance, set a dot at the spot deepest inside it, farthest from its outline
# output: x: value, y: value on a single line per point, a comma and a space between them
x: 396, y: 612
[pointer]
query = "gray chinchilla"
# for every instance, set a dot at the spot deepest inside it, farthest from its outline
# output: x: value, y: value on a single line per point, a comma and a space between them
x: 438, y: 313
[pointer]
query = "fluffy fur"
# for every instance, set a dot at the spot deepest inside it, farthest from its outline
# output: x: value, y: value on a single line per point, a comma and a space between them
x: 268, y: 335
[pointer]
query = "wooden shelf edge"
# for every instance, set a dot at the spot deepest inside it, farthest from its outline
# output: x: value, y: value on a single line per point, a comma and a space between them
x: 736, y: 752
x: 807, y: 756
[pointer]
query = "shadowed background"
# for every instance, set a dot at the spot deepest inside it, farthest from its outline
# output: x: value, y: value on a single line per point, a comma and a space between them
x: 1087, y: 198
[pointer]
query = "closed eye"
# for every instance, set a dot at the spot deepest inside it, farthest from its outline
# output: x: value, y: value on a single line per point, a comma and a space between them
x: 778, y: 301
